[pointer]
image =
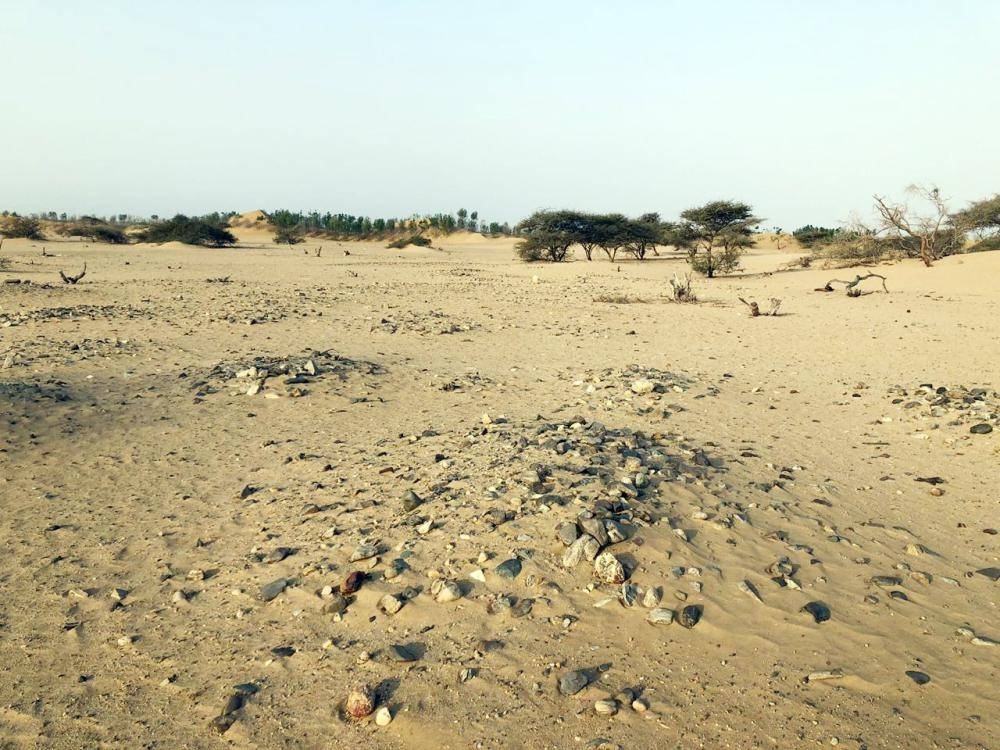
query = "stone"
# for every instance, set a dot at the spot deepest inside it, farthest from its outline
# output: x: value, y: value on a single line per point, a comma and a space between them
x: 509, y: 569
x: 609, y: 569
x: 271, y: 590
x: 982, y: 428
x: 445, y: 591
x: 660, y: 616
x: 567, y: 533
x: 651, y: 599
x: 360, y: 702
x: 921, y: 678
x: 606, y: 707
x: 579, y: 550
x: 819, y: 611
x: 383, y: 717
x: 352, y: 583
x: 690, y: 615
x: 573, y: 682
x: 642, y: 386
x: 364, y: 552
x: 278, y: 554
x: 390, y: 604
x: 595, y: 528
x: 411, y: 501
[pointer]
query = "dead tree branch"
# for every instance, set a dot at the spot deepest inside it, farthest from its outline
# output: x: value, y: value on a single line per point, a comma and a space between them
x: 853, y: 288
x: 73, y: 279
x: 755, y: 308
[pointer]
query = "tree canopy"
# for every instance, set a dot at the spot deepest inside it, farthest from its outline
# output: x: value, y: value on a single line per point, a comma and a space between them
x: 716, y: 234
x: 206, y: 230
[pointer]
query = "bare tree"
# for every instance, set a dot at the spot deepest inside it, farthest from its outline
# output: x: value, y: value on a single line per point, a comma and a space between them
x: 927, y: 235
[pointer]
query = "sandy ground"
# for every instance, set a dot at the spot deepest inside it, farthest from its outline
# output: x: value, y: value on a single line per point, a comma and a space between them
x: 146, y: 498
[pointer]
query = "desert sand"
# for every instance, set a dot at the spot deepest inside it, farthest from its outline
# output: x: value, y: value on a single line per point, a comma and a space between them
x: 156, y: 489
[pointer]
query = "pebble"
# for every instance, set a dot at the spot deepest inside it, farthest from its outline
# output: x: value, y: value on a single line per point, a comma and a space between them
x: 411, y: 501
x: 819, y: 611
x: 352, y: 583
x: 921, y: 678
x: 360, y: 702
x: 364, y: 552
x: 271, y: 590
x: 606, y: 707
x: 478, y: 575
x: 278, y: 554
x: 690, y: 615
x: 383, y: 717
x: 981, y: 429
x: 585, y: 547
x: 390, y: 604
x: 748, y: 588
x: 509, y: 569
x: 609, y: 569
x: 660, y: 616
x: 446, y: 591
x: 651, y: 599
x: 573, y: 682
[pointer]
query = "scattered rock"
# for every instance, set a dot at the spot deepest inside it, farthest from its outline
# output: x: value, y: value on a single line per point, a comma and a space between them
x: 573, y: 682
x: 360, y: 702
x: 819, y: 611
x: 690, y: 615
x: 509, y: 569
x: 271, y: 590
x: 921, y: 678
x: 609, y: 569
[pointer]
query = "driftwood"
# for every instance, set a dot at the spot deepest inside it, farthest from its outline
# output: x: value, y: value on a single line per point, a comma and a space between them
x: 73, y: 279
x: 319, y: 252
x: 219, y: 280
x: 853, y: 288
x: 755, y: 308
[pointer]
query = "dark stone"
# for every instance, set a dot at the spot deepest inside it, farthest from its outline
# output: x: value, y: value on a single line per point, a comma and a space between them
x: 690, y: 615
x: 573, y: 682
x: 509, y: 569
x: 981, y: 429
x: 921, y: 678
x: 271, y: 590
x: 819, y: 611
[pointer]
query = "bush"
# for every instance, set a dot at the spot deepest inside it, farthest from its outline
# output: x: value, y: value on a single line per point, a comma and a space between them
x: 416, y: 239
x: 810, y: 237
x: 21, y: 227
x: 206, y: 231
x: 716, y: 261
x: 94, y: 232
x: 288, y: 236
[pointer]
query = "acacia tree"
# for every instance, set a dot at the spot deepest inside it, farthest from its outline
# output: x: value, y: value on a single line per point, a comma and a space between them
x: 716, y: 234
x: 548, y: 235
x: 983, y: 219
x: 928, y: 235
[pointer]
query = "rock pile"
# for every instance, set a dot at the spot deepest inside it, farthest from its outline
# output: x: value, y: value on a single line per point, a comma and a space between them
x: 252, y: 376
x: 957, y: 406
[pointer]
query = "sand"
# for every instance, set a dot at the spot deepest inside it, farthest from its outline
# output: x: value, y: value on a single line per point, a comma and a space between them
x: 142, y: 490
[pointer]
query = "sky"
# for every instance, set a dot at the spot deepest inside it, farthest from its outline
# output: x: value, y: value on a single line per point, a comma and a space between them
x: 388, y: 108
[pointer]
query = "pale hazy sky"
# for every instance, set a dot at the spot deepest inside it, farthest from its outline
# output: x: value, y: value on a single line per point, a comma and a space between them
x: 803, y: 109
